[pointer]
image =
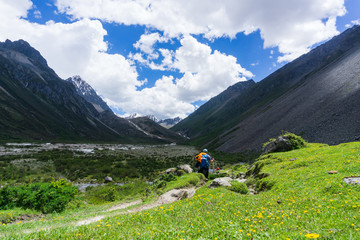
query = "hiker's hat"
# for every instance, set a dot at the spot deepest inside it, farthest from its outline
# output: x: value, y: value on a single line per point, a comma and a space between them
x: 205, y: 150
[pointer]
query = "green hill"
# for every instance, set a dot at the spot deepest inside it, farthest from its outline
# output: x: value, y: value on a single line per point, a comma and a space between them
x: 301, y: 200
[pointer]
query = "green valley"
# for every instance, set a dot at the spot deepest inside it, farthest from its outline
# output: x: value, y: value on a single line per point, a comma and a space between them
x: 303, y: 196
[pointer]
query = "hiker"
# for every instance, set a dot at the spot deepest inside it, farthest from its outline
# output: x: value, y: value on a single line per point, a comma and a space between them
x: 203, y: 161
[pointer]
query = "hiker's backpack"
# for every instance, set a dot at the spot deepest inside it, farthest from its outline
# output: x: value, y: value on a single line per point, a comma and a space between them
x: 199, y: 157
x: 204, y: 161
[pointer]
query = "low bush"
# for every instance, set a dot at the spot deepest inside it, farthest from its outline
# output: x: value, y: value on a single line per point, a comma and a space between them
x: 44, y: 197
x: 162, y: 180
x: 264, y: 185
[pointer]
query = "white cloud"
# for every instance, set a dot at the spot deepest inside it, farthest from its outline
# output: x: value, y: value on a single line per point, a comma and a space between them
x: 356, y: 22
x: 17, y: 8
x: 292, y: 25
x: 37, y: 14
x: 160, y: 100
x: 147, y: 41
x: 255, y: 63
x: 79, y: 48
x: 205, y: 74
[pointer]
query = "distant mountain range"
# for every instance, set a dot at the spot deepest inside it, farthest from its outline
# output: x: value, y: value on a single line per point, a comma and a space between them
x: 36, y: 104
x: 316, y: 96
x: 167, y: 123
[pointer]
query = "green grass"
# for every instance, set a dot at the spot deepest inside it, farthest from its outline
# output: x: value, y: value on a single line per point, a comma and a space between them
x: 304, y: 200
x: 187, y: 180
x: 16, y: 215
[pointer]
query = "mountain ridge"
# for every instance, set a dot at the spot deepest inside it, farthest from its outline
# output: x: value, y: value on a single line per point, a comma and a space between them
x: 38, y: 105
x: 259, y: 98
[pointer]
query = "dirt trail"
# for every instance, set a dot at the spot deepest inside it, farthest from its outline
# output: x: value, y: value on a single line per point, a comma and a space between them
x: 168, y: 197
x: 113, y: 208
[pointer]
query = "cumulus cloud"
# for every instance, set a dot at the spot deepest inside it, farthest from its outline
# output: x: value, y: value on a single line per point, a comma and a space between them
x: 78, y: 48
x: 292, y: 25
x: 206, y: 73
x: 147, y: 41
x: 72, y: 49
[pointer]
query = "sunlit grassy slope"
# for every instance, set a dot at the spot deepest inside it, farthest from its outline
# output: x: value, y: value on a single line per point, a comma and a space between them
x: 305, y: 202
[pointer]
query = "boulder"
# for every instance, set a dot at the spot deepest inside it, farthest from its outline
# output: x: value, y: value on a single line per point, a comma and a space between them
x: 108, y: 179
x: 175, y: 194
x: 186, y: 168
x: 281, y: 144
x: 170, y: 170
x: 218, y: 182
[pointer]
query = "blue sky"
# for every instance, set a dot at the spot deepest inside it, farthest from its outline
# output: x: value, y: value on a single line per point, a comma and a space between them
x: 167, y: 57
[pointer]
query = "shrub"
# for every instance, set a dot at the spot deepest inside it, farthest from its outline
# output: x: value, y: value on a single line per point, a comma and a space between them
x: 238, y: 187
x: 161, y: 182
x: 285, y: 142
x: 264, y: 185
x: 44, y: 197
x: 255, y: 169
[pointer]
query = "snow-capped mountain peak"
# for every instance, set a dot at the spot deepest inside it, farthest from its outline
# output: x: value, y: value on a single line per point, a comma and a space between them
x: 87, y: 92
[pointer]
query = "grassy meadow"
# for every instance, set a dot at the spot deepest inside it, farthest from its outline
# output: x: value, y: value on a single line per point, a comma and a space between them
x: 299, y: 200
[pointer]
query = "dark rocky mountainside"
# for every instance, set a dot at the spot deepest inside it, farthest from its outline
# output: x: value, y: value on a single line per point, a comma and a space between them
x: 209, y: 118
x: 35, y: 104
x: 155, y: 130
x: 316, y: 96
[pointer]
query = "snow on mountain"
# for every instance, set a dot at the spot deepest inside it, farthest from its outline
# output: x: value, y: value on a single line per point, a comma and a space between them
x: 167, y: 123
x: 87, y: 92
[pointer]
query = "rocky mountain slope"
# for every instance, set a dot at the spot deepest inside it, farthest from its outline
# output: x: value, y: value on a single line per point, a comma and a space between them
x: 316, y: 96
x: 210, y: 117
x: 87, y: 92
x: 155, y: 130
x: 134, y: 126
x: 35, y: 104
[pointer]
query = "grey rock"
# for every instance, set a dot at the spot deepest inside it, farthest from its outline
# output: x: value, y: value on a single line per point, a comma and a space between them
x: 176, y: 194
x: 281, y: 144
x: 170, y: 170
x: 186, y: 168
x: 352, y: 180
x: 217, y: 182
x: 108, y: 179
